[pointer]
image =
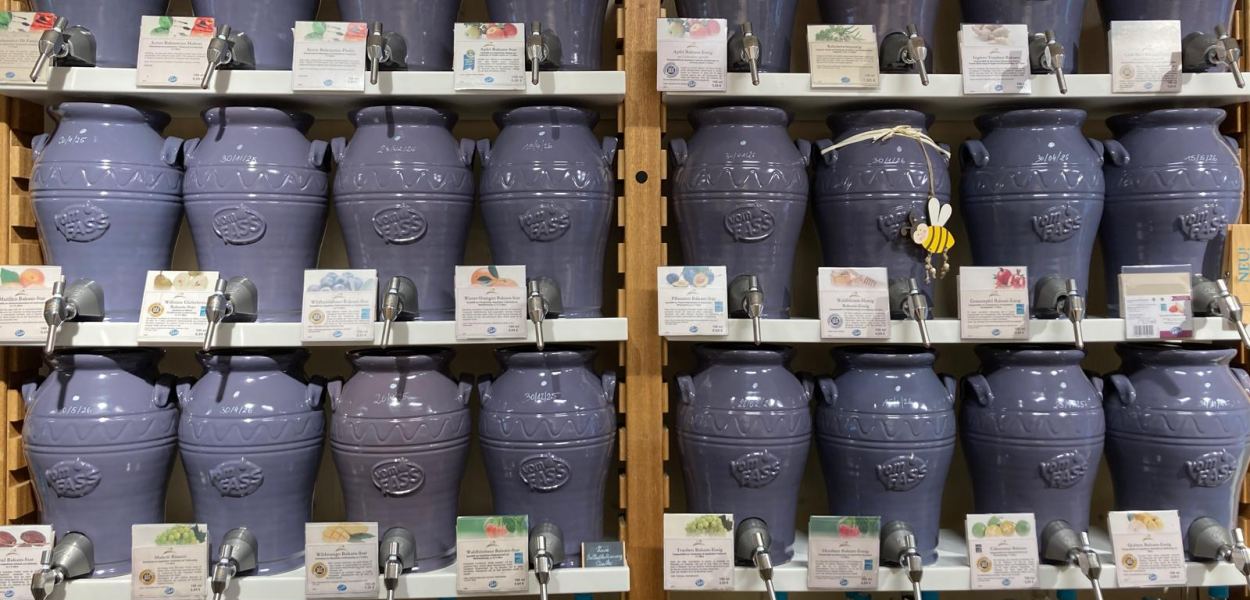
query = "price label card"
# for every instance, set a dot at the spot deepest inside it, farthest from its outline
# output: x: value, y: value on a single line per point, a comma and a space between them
x: 489, y: 56
x: 1237, y: 265
x: 172, y: 51
x: 169, y: 561
x: 490, y: 302
x: 173, y: 306
x: 21, y: 550
x: 19, y: 48
x: 994, y: 59
x: 1002, y: 550
x: 691, y: 55
x: 843, y: 553
x: 698, y: 552
x: 1145, y: 56
x: 23, y: 290
x: 492, y: 554
x: 329, y: 56
x: 843, y: 56
x: 994, y: 303
x: 339, y: 306
x: 341, y: 560
x: 1147, y: 547
x: 603, y: 554
x: 854, y: 303
x: 1157, y: 305
x: 692, y: 301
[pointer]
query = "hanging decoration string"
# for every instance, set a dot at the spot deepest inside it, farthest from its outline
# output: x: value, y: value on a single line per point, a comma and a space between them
x: 907, y: 131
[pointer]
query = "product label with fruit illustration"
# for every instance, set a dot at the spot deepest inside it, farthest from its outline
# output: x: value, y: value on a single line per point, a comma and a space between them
x: 994, y: 303
x: 1156, y: 302
x: 329, y: 56
x: 692, y: 300
x: 698, y: 551
x: 854, y: 303
x: 1002, y: 549
x: 173, y: 306
x: 490, y: 302
x: 341, y: 560
x: 1147, y: 547
x: 23, y: 290
x: 691, y: 54
x: 843, y: 553
x: 489, y: 56
x: 994, y: 58
x: 340, y: 307
x: 172, y: 49
x: 492, y: 554
x: 21, y: 547
x: 19, y: 46
x: 169, y: 561
x: 843, y: 56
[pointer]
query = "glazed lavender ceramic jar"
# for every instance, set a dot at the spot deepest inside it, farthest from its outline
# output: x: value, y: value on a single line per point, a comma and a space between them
x: 547, y: 428
x: 403, y: 193
x: 889, y: 17
x: 100, y: 437
x: 744, y: 425
x: 255, y: 193
x: 1032, y: 431
x: 250, y: 439
x: 869, y: 194
x: 1032, y: 195
x: 772, y: 21
x: 268, y: 24
x: 1196, y: 16
x: 547, y: 195
x: 107, y: 192
x: 1064, y: 17
x: 885, y: 431
x: 426, y: 26
x: 114, y: 25
x: 1173, y: 186
x: 740, y: 194
x: 400, y: 438
x: 572, y: 29
x: 1178, y: 423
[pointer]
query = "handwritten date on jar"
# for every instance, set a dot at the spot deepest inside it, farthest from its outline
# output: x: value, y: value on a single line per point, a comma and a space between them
x: 902, y: 473
x: 544, y: 472
x: 73, y: 478
x: 398, y: 477
x: 755, y: 469
x: 546, y: 222
x: 1064, y: 470
x: 237, y: 478
x: 1212, y: 469
x: 82, y: 222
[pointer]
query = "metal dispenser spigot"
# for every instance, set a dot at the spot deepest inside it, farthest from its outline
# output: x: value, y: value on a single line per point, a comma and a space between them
x: 1208, y: 541
x: 751, y: 545
x: 905, y: 51
x: 1201, y: 51
x: 1047, y: 55
x: 1212, y: 299
x: 1062, y: 544
x: 82, y: 300
x: 67, y: 46
x: 543, y: 301
x: 751, y: 51
x: 908, y: 302
x: 535, y: 50
x: 237, y: 556
x: 546, y: 551
x: 397, y: 553
x: 746, y: 300
x: 228, y: 50
x: 384, y: 51
x: 399, y: 303
x: 72, y: 557
x: 1231, y: 55
x: 1057, y: 296
x: 898, y: 546
x: 232, y: 300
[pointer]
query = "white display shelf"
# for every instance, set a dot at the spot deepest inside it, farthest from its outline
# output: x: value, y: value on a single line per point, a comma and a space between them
x: 283, y: 335
x: 436, y: 584
x: 592, y: 89
x: 951, y: 572
x: 946, y: 331
x: 944, y: 95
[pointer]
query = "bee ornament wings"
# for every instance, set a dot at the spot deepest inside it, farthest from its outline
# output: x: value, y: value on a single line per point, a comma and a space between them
x: 939, y: 213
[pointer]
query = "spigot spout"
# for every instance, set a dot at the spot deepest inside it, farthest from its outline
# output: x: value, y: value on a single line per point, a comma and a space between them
x: 912, y: 562
x: 392, y: 306
x: 546, y: 551
x: 1231, y: 55
x: 390, y: 573
x: 535, y: 50
x: 753, y: 306
x: 223, y: 571
x: 536, y: 305
x: 764, y: 563
x: 1052, y: 59
x: 216, y: 309
x: 751, y: 52
x: 1241, y: 554
x: 915, y: 53
x: 917, y: 306
x: 1088, y: 562
x: 237, y: 555
x: 55, y: 315
x: 72, y: 557
x: 398, y: 552
x: 1229, y: 307
x: 1072, y: 305
x: 751, y: 542
x: 373, y: 51
x: 50, y: 45
x: 44, y: 582
x: 218, y: 54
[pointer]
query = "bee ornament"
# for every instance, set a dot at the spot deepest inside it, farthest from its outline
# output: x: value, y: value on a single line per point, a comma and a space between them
x: 935, y: 238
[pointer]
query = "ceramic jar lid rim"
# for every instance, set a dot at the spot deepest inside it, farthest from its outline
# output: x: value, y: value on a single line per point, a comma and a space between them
x: 254, y: 357
x: 1119, y: 124
x: 1054, y: 117
x: 746, y: 115
x: 547, y: 115
x: 1029, y: 353
x: 531, y: 355
x: 839, y: 122
x: 884, y: 355
x: 391, y: 356
x: 1173, y: 353
x: 75, y: 356
x: 404, y: 114
x: 744, y: 352
x: 157, y: 119
x: 300, y: 120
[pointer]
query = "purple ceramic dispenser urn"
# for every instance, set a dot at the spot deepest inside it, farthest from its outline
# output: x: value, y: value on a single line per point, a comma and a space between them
x: 403, y: 193
x: 1032, y: 431
x: 100, y: 436
x: 740, y: 193
x: 885, y: 429
x: 561, y: 35
x: 400, y: 438
x: 759, y: 31
x: 873, y: 183
x: 744, y: 426
x: 255, y: 194
x: 1054, y: 29
x: 107, y: 192
x: 902, y: 28
x: 425, y: 27
x: 1032, y: 195
x: 547, y: 196
x: 1174, y: 183
x: 250, y: 439
x: 1205, y: 44
x: 101, y: 34
x: 547, y: 428
x: 266, y: 28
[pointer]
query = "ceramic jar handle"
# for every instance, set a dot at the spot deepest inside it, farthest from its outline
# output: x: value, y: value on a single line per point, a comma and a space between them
x: 28, y: 393
x: 1099, y: 149
x: 188, y: 149
x: 182, y: 390
x: 1116, y: 153
x: 685, y: 386
x: 318, y: 152
x: 946, y: 158
x: 465, y: 388
x: 316, y: 390
x: 980, y: 388
x: 38, y: 143
x: 468, y: 148
x: 677, y: 147
x: 951, y: 384
x: 1242, y: 378
x: 805, y: 151
x: 1232, y: 143
x: 608, y: 380
x: 163, y: 394
x: 484, y: 384
x: 338, y: 149
x: 609, y: 150
x: 829, y: 157
x: 1123, y: 388
x: 974, y: 153
x: 334, y: 389
x: 828, y: 390
x: 809, y: 386
x: 1099, y: 384
x: 483, y: 150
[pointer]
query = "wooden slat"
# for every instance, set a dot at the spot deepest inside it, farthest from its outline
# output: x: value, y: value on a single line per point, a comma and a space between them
x: 21, y: 161
x: 21, y: 210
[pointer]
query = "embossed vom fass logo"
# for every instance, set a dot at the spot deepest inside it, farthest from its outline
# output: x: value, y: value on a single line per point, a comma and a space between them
x: 750, y: 223
x: 82, y: 222
x: 546, y: 222
x: 1212, y: 469
x: 399, y: 224
x: 755, y: 469
x: 1057, y: 223
x: 236, y: 478
x: 1063, y: 470
x: 902, y: 473
x: 891, y: 223
x: 1203, y: 223
x: 544, y: 472
x: 72, y: 478
x: 239, y: 225
x: 398, y: 477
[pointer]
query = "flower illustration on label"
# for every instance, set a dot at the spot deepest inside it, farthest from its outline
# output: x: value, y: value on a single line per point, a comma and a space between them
x: 72, y: 478
x: 398, y: 477
x: 1063, y: 470
x: 1212, y: 469
x: 1203, y: 223
x: 902, y: 473
x: 236, y: 478
x: 546, y: 222
x: 749, y: 224
x: 1057, y: 223
x: 399, y: 224
x: 82, y: 222
x: 892, y: 223
x: 544, y: 472
x: 755, y: 469
x: 239, y: 225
